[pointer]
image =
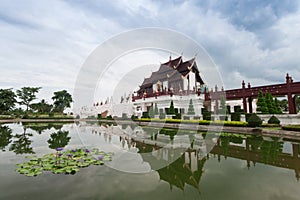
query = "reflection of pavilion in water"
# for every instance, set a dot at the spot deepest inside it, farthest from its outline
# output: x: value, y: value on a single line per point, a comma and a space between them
x: 182, y: 161
x: 258, y: 150
x: 185, y: 169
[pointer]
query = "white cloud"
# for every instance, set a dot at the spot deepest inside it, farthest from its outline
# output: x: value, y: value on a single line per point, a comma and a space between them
x: 45, y: 43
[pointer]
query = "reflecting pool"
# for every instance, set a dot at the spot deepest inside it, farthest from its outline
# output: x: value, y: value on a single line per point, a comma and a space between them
x: 150, y: 163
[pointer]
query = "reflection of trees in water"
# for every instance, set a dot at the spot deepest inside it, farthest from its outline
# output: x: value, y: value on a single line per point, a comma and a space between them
x: 169, y: 132
x: 270, y: 150
x: 40, y: 127
x: 23, y: 144
x: 255, y: 142
x: 5, y: 137
x: 59, y: 139
x: 179, y: 172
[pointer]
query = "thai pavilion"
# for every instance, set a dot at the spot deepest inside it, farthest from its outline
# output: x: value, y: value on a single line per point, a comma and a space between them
x: 176, y: 80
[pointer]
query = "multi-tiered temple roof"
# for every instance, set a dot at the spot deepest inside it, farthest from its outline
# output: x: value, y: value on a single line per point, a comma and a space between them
x: 172, y: 71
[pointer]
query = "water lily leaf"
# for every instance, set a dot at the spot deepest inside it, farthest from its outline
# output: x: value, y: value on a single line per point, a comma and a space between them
x: 30, y: 174
x: 68, y: 162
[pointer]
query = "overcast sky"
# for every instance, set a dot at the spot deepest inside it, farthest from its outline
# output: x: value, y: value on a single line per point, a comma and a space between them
x: 45, y: 43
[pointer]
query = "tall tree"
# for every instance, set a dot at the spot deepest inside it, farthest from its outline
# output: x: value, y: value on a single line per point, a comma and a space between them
x: 223, y: 108
x: 270, y: 103
x: 41, y: 107
x: 5, y: 137
x: 261, y: 104
x: 27, y: 95
x: 62, y: 100
x: 277, y: 106
x: 171, y: 109
x: 7, y: 100
x: 297, y: 103
x: 156, y: 109
x: 191, y: 110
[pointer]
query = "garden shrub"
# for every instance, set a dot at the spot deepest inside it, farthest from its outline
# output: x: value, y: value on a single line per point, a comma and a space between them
x: 109, y: 117
x: 236, y: 116
x: 133, y: 117
x: 254, y: 120
x: 291, y: 127
x: 273, y: 120
x: 145, y: 115
x: 177, y: 116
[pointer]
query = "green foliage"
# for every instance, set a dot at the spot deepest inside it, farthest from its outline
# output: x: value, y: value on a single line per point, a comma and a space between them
x: 191, y: 110
x: 223, y: 108
x: 133, y: 117
x: 277, y: 106
x: 283, y: 104
x: 171, y: 110
x: 5, y: 137
x: 41, y: 107
x: 261, y: 104
x: 291, y: 127
x: 270, y: 104
x: 297, y: 101
x: 254, y: 120
x: 237, y: 109
x: 177, y: 116
x: 109, y: 117
x: 145, y: 115
x: 206, y: 114
x: 27, y: 95
x: 156, y: 109
x: 59, y: 139
x: 200, y: 122
x: 22, y: 143
x: 236, y: 116
x: 7, y: 100
x: 62, y: 100
x: 63, y: 162
x: 273, y: 120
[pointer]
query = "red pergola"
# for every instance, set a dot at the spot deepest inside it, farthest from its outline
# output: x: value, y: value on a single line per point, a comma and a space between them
x: 289, y: 88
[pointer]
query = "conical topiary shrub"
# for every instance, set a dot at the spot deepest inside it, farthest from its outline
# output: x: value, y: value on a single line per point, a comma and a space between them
x: 254, y: 121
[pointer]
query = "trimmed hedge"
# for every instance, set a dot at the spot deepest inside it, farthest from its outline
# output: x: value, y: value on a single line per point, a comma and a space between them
x: 254, y: 120
x: 236, y: 116
x: 200, y: 122
x: 291, y: 127
x: 145, y: 115
x: 177, y: 116
x: 273, y: 120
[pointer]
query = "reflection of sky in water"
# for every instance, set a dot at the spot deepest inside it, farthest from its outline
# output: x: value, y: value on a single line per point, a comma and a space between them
x: 228, y: 179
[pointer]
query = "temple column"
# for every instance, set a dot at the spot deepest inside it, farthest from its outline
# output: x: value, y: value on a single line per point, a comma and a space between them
x: 244, y: 97
x: 291, y: 103
x: 291, y: 100
x: 250, y: 104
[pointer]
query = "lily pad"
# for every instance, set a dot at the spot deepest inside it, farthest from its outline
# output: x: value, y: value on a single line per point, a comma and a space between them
x: 63, y: 162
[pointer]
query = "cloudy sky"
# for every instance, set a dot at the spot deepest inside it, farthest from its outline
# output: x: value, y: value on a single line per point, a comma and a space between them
x: 45, y: 43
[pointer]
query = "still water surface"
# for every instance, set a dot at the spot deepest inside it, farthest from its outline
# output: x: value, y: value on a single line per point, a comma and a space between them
x: 238, y: 167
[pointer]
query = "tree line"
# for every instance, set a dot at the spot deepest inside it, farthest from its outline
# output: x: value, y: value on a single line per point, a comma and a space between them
x: 266, y: 104
x: 26, y: 96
